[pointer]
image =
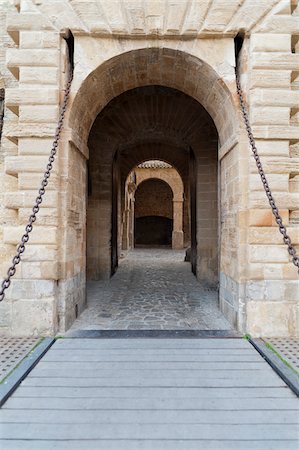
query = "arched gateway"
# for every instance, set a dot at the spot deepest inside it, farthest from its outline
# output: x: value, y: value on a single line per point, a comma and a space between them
x: 155, y: 103
x: 143, y: 98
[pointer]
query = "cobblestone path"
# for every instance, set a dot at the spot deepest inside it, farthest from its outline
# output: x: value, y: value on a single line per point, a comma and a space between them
x: 152, y: 289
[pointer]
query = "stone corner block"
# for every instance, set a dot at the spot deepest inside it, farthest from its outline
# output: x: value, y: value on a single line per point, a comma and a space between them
x: 36, y: 317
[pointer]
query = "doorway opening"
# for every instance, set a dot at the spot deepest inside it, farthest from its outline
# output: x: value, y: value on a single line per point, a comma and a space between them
x: 173, y: 204
x: 152, y: 200
x: 153, y: 214
x: 154, y: 196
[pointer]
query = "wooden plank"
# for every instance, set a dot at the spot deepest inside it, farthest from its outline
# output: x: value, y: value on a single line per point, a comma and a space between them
x: 119, y: 381
x: 156, y: 444
x: 149, y: 431
x: 244, y: 381
x: 91, y: 344
x: 147, y: 373
x: 109, y: 356
x: 124, y: 391
x: 264, y: 398
x: 153, y: 352
x: 149, y: 416
x: 152, y: 365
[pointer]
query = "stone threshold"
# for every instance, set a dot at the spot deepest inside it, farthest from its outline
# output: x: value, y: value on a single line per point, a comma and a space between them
x: 158, y: 334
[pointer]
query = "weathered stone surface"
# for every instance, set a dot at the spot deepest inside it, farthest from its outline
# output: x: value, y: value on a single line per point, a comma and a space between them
x: 37, y: 317
x: 271, y: 319
x: 119, y: 47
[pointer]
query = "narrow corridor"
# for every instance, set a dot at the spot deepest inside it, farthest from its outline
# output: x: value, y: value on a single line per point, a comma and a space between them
x: 153, y: 289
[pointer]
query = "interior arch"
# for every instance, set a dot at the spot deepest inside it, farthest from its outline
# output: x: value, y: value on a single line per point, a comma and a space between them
x: 148, y: 67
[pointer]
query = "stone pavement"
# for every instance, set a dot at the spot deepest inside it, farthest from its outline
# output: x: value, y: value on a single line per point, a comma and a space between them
x: 152, y: 289
x: 151, y: 394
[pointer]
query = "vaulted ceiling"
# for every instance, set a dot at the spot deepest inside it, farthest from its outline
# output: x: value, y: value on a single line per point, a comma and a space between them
x: 152, y: 122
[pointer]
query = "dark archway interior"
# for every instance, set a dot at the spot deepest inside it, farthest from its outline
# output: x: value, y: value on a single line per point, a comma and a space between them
x: 147, y: 123
x: 153, y: 231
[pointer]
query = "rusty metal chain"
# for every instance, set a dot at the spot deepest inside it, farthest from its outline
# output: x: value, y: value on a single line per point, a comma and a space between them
x: 275, y: 211
x: 32, y: 218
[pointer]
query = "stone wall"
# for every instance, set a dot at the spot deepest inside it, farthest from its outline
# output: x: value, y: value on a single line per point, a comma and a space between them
x: 153, y: 197
x: 118, y: 49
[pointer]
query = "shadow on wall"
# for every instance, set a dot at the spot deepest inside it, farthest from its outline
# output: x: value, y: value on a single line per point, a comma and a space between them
x: 153, y: 230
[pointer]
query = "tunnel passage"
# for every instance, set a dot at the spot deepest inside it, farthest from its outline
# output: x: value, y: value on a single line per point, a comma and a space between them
x: 152, y: 123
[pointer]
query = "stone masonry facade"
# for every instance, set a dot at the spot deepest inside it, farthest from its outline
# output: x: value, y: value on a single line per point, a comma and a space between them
x: 124, y: 46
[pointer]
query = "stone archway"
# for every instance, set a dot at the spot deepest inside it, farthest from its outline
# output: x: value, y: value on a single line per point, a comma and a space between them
x: 152, y: 122
x: 169, y: 175
x: 167, y: 69
x: 154, y: 170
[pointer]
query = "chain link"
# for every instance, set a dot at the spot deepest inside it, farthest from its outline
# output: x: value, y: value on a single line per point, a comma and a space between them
x: 275, y: 211
x: 32, y: 218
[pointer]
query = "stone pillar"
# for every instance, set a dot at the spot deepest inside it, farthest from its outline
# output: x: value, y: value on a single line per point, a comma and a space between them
x: 126, y: 227
x: 177, y: 233
x: 131, y: 224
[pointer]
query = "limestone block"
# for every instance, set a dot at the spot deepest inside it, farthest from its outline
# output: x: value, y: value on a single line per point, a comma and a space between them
x: 39, y: 39
x: 35, y: 146
x: 270, y: 115
x: 39, y: 235
x: 27, y: 21
x: 274, y: 97
x: 279, y: 23
x: 275, y: 61
x: 43, y: 270
x: 260, y: 271
x: 258, y: 291
x: 277, y: 165
x: 26, y: 199
x: 31, y: 96
x: 27, y: 57
x: 195, y: 17
x: 27, y: 164
x: 28, y: 289
x: 265, y: 218
x: 34, y: 317
x: 176, y: 11
x: 271, y: 319
x: 276, y: 132
x: 271, y: 235
x: 27, y: 130
x: 270, y: 147
x: 294, y: 184
x: 38, y: 113
x: 154, y: 17
x: 267, y: 42
x: 283, y: 201
x: 269, y: 78
x: 38, y: 253
x: 290, y: 272
x: 5, y: 314
x: 268, y: 253
x: 33, y: 180
x: 39, y: 75
x: 278, y: 182
x: 45, y: 217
